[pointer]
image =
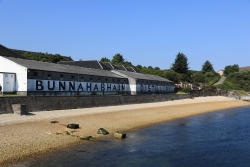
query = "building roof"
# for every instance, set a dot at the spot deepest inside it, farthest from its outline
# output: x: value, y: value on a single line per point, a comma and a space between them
x: 143, y: 76
x: 45, y: 66
x: 4, y: 51
x: 106, y: 66
x: 89, y: 64
x: 131, y: 69
x: 121, y: 67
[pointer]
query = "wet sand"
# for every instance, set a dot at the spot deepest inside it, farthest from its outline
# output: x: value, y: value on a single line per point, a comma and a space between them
x: 34, y: 134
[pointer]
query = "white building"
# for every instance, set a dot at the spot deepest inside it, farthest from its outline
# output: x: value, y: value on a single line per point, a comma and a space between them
x: 29, y: 77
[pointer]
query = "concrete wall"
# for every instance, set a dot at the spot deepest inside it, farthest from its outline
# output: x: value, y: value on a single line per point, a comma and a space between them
x: 47, y: 103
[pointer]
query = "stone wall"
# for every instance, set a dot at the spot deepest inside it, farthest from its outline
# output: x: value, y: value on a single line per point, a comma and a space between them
x: 47, y: 103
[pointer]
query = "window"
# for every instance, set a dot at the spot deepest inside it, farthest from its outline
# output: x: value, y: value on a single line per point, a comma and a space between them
x: 49, y: 75
x: 61, y: 75
x: 6, y: 75
x: 106, y: 79
x: 35, y: 73
x: 72, y: 76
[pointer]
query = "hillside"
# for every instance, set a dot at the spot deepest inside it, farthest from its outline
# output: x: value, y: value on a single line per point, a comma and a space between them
x: 39, y: 56
x: 245, y: 68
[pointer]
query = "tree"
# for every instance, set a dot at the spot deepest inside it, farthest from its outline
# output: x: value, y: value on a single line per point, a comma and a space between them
x: 157, y: 68
x: 105, y: 59
x: 117, y: 59
x: 172, y: 76
x: 198, y: 77
x: 231, y: 69
x: 207, y: 67
x: 180, y: 64
x: 150, y: 67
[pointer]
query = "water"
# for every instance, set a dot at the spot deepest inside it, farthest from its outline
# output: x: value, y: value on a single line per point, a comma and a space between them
x: 215, y: 139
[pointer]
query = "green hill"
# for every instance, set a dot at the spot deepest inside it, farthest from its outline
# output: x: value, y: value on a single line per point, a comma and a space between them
x: 45, y: 57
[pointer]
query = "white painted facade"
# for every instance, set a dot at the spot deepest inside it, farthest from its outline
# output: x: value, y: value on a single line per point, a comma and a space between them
x: 7, y: 66
x: 138, y: 88
x: 7, y: 81
x: 18, y: 82
x: 73, y: 86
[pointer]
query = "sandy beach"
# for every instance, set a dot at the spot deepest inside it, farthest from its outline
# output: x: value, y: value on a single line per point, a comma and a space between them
x: 34, y: 134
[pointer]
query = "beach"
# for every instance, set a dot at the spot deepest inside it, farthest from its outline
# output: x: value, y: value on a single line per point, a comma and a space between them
x: 34, y: 134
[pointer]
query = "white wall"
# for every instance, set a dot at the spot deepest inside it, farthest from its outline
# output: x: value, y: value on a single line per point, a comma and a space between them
x: 132, y: 81
x: 7, y: 81
x: 143, y: 88
x: 20, y: 71
x: 1, y: 79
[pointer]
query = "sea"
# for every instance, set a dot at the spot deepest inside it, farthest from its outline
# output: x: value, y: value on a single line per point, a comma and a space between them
x: 215, y: 139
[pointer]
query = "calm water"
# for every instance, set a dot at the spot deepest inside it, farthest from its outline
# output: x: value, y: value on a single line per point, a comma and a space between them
x: 216, y: 139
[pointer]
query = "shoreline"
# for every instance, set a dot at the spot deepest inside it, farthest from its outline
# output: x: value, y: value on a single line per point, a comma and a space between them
x: 31, y: 135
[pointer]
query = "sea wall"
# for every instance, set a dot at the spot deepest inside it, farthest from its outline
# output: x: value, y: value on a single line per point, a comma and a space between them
x: 47, y: 103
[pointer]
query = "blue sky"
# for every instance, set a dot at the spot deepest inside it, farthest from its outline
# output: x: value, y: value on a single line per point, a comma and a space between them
x: 145, y: 32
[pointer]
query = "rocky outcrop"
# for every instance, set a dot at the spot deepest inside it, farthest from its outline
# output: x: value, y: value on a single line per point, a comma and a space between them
x: 218, y: 92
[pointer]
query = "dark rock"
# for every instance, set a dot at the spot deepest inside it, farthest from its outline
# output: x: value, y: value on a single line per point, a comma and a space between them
x: 53, y: 122
x: 73, y: 126
x: 102, y: 131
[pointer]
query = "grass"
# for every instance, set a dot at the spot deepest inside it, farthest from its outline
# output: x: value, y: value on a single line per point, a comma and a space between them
x: 213, y: 80
x: 10, y: 95
x: 181, y: 93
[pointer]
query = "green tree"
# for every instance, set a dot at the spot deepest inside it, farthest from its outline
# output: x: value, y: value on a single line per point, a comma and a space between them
x: 207, y: 67
x: 157, y: 68
x: 198, y: 77
x: 231, y: 69
x: 118, y: 59
x: 104, y: 59
x: 180, y: 64
x: 172, y: 76
x: 150, y: 67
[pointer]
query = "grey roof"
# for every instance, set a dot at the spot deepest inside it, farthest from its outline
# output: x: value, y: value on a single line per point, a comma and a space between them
x: 121, y: 67
x: 4, y: 51
x: 108, y: 64
x: 89, y: 63
x: 143, y: 76
x: 45, y: 66
x: 131, y: 69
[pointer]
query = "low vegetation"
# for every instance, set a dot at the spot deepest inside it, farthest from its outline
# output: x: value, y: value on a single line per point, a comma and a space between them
x: 237, y: 81
x: 45, y: 57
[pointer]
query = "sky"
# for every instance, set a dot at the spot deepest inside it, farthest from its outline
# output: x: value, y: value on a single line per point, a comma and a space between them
x: 145, y: 32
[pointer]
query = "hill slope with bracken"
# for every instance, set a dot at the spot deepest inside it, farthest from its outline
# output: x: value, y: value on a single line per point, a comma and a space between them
x: 245, y: 68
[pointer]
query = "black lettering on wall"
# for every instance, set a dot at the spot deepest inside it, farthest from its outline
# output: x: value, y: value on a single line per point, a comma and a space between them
x: 39, y: 85
x: 71, y: 86
x: 88, y: 85
x: 142, y: 88
x: 114, y: 88
x: 123, y: 87
x: 108, y: 87
x: 53, y: 85
x: 102, y: 87
x: 61, y: 85
x: 96, y: 87
x: 80, y: 87
x: 149, y: 88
